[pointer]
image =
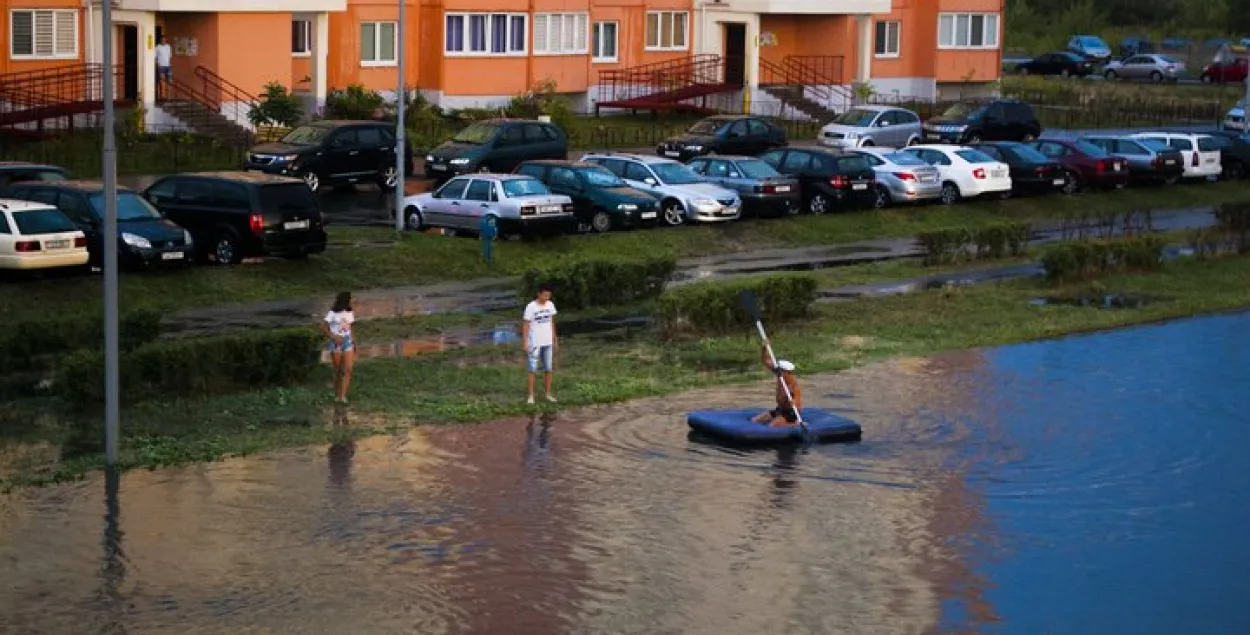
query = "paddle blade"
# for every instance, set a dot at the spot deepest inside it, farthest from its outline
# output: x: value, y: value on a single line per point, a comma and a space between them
x: 751, y: 305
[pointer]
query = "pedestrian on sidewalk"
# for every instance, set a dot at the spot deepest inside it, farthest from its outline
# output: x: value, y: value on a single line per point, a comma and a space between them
x: 338, y: 327
x: 538, y: 336
x: 487, y: 231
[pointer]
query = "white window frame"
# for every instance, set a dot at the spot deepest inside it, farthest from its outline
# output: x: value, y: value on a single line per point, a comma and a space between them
x: 659, y: 16
x: 597, y: 28
x: 377, y: 40
x: 881, y: 50
x: 466, y: 20
x: 58, y: 17
x: 307, y: 37
x: 569, y: 23
x: 991, y: 31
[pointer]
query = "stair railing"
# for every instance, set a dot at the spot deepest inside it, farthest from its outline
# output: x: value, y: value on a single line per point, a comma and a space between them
x: 798, y: 84
x: 825, y: 71
x: 210, y: 112
x: 231, y: 101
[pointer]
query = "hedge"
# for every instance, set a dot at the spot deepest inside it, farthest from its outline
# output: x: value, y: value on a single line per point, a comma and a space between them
x: 21, y: 343
x: 713, y: 307
x: 195, y: 365
x: 580, y: 283
x: 957, y: 244
x: 1080, y: 259
x: 1234, y: 221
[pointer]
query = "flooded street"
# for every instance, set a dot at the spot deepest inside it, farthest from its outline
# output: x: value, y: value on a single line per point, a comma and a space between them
x: 1089, y: 485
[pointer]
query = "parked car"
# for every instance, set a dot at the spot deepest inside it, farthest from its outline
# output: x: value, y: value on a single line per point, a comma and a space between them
x: 1090, y: 47
x: 145, y: 238
x: 684, y: 195
x: 1062, y: 63
x: 965, y: 172
x: 39, y: 236
x: 1156, y: 67
x: 828, y: 178
x: 520, y: 204
x: 1202, y: 156
x: 902, y: 177
x: 496, y: 145
x: 1148, y: 159
x: 331, y: 152
x: 724, y: 134
x: 1085, y: 165
x: 871, y: 125
x: 973, y: 122
x: 764, y: 191
x: 19, y: 171
x: 1234, y: 154
x: 1225, y: 71
x: 1031, y: 171
x: 1235, y: 118
x: 237, y: 215
x: 601, y: 200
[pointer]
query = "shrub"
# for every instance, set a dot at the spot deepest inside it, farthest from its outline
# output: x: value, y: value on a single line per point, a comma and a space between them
x: 22, y: 342
x: 195, y: 365
x: 277, y: 107
x: 1080, y: 259
x: 713, y: 307
x: 580, y: 283
x: 354, y: 102
x: 1234, y: 222
x: 542, y: 100
x: 946, y: 246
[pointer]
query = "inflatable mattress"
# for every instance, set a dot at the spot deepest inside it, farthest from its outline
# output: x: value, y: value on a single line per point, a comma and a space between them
x: 735, y: 426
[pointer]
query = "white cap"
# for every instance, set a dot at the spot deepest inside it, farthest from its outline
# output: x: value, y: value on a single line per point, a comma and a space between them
x: 785, y: 366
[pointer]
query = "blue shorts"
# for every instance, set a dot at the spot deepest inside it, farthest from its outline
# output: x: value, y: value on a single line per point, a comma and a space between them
x: 347, y: 345
x: 540, y: 354
x: 165, y: 72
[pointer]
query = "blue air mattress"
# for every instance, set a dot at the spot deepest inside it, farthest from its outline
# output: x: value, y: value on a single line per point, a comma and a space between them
x: 735, y: 426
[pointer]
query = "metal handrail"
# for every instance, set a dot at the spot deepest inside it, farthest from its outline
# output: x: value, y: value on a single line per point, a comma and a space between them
x: 821, y: 70
x: 225, y: 97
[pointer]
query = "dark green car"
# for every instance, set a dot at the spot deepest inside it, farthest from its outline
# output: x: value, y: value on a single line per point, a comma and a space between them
x: 601, y: 200
x: 495, y: 145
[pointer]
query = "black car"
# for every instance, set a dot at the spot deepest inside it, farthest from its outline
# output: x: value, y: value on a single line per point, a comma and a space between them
x: 328, y: 153
x: 974, y: 122
x: 827, y: 176
x: 724, y: 134
x: 144, y: 237
x: 764, y: 190
x: 1234, y: 153
x: 601, y: 199
x: 237, y: 215
x: 12, y: 172
x: 1062, y: 63
x: 1031, y: 171
x: 496, y: 145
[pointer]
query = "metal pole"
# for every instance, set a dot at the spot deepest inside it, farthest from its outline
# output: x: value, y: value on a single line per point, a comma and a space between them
x: 401, y: 159
x: 112, y: 383
x: 1245, y: 109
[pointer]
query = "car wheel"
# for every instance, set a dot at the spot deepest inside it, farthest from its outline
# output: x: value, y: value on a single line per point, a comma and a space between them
x: 1111, y: 76
x: 867, y: 143
x: 674, y: 213
x: 312, y: 181
x: 1171, y: 180
x: 882, y: 199
x: 226, y: 250
x: 1156, y: 77
x: 388, y: 177
x: 413, y: 220
x: 950, y: 193
x: 1024, y: 70
x: 818, y: 204
x: 1071, y: 183
x: 600, y: 222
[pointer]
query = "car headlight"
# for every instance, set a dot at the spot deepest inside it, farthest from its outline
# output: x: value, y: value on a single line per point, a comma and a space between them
x: 704, y: 202
x: 186, y: 236
x: 459, y: 162
x: 429, y: 158
x: 138, y: 242
x: 626, y: 207
x: 287, y: 158
x: 695, y: 148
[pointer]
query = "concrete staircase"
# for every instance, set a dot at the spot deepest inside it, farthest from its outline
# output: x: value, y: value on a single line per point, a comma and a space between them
x: 205, y: 121
x: 794, y: 97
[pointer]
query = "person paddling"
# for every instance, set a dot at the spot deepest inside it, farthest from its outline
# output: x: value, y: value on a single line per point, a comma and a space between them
x: 788, y: 405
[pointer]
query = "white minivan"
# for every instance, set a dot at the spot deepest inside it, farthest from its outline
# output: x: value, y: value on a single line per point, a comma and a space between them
x: 1200, y: 152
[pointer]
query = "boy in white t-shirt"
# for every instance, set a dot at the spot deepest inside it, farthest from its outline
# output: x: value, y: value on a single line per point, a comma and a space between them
x: 538, y: 336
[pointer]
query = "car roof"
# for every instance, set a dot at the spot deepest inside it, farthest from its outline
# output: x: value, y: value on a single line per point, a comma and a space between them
x: 335, y: 123
x: 80, y: 185
x: 565, y: 163
x: 16, y: 205
x: 488, y: 176
x: 631, y: 156
x: 730, y: 117
x: 6, y: 165
x: 728, y: 157
x: 999, y: 143
x: 240, y: 176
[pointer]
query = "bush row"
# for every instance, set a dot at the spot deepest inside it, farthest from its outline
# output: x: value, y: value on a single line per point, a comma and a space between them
x: 193, y: 365
x: 21, y: 343
x: 1079, y: 259
x: 946, y: 246
x: 580, y: 283
x: 713, y: 307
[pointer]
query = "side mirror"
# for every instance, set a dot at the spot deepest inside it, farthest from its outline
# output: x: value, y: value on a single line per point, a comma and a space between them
x: 883, y: 124
x: 650, y: 181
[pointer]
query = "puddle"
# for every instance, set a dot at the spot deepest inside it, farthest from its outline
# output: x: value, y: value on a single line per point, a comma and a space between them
x: 1109, y: 301
x: 930, y: 283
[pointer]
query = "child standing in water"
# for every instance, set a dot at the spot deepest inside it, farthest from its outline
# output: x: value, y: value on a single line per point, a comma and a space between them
x: 338, y: 327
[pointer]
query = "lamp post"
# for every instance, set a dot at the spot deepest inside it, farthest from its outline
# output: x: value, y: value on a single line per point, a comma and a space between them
x: 401, y: 158
x: 112, y: 381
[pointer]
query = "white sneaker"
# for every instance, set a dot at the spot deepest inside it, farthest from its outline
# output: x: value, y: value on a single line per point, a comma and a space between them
x: 530, y: 400
x: 551, y: 399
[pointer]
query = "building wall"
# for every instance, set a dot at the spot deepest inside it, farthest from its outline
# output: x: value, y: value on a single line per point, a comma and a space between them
x: 345, y: 66
x: 10, y: 65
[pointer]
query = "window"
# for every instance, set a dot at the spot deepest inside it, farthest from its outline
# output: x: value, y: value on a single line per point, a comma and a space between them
x: 886, y: 43
x: 967, y: 31
x: 4, y: 224
x: 377, y: 44
x: 796, y: 162
x: 667, y: 30
x: 479, y: 190
x: 301, y: 38
x: 453, y: 190
x: 482, y: 34
x: 232, y: 196
x: 604, y: 45
x: 564, y: 177
x: 538, y: 133
x: 368, y: 136
x: 561, y: 33
x: 43, y: 34
x: 637, y: 172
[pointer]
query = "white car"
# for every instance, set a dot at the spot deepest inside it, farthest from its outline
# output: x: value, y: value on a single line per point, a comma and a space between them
x: 1200, y: 152
x: 38, y: 236
x: 683, y: 194
x: 519, y: 204
x: 965, y: 172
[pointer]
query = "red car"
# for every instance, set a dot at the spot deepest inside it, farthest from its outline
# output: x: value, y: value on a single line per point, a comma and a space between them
x: 1085, y: 165
x: 1225, y: 72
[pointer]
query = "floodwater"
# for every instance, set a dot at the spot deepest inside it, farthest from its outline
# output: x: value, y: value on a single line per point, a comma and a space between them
x: 1090, y: 485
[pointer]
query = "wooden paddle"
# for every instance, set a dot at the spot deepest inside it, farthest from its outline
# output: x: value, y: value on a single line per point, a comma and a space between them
x: 751, y: 305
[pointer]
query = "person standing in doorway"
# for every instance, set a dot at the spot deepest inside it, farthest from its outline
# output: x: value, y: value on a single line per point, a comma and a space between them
x: 338, y: 327
x: 538, y: 335
x: 164, y: 69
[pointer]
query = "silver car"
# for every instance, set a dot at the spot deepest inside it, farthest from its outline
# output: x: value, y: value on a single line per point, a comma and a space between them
x: 864, y: 126
x: 1148, y: 159
x: 519, y: 204
x: 1235, y: 118
x: 902, y: 177
x: 1155, y: 67
x: 764, y: 190
x: 683, y: 194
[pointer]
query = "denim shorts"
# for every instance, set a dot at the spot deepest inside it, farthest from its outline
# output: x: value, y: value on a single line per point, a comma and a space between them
x: 347, y: 345
x: 540, y: 354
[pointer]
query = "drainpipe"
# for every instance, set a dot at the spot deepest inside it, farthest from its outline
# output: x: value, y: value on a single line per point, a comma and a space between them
x: 90, y: 34
x: 529, y: 52
x: 702, y: 26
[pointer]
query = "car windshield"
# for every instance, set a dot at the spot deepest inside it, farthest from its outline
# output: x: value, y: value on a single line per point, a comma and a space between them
x: 1090, y: 149
x: 903, y: 158
x: 1093, y: 42
x: 756, y: 169
x: 601, y: 177
x: 42, y: 221
x: 856, y: 117
x: 974, y: 156
x: 476, y: 134
x: 707, y: 126
x: 1072, y: 57
x: 38, y: 176
x: 1028, y: 153
x: 675, y: 174
x: 963, y: 111
x: 130, y: 206
x: 306, y: 136
x: 292, y: 196
x: 1153, y: 144
x: 1167, y: 59
x: 516, y: 188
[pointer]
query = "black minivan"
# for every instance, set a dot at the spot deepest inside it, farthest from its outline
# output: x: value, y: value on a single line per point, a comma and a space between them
x: 974, y: 122
x: 496, y: 145
x: 827, y: 177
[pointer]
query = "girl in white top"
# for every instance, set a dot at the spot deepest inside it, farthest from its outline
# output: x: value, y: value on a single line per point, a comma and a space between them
x: 338, y: 327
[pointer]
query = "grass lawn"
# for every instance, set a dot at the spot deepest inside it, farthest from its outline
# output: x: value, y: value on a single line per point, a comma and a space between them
x: 480, y: 384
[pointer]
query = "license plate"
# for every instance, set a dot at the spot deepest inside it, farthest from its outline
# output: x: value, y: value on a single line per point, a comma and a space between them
x: 1116, y: 167
x: 646, y: 215
x: 933, y: 135
x: 58, y: 244
x: 296, y: 224
x: 928, y: 179
x: 1058, y: 181
x: 1169, y: 162
x: 783, y: 188
x: 440, y: 168
x: 1210, y: 161
x: 672, y: 153
x: 550, y: 209
x: 729, y: 211
x: 859, y: 186
x: 171, y: 255
x: 998, y: 174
